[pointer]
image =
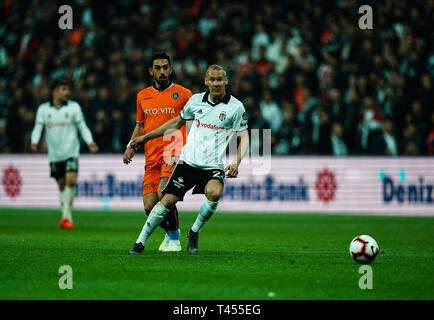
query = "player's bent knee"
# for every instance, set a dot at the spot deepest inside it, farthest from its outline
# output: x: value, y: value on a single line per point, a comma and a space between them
x: 213, y: 194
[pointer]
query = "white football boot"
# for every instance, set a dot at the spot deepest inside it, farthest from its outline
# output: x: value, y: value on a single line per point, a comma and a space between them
x: 165, y: 243
x: 173, y: 246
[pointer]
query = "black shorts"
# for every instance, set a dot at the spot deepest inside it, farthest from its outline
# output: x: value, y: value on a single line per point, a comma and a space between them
x: 59, y: 169
x: 185, y: 177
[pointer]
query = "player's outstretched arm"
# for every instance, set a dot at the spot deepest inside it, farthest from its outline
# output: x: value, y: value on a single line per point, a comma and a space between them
x: 232, y: 169
x: 166, y: 128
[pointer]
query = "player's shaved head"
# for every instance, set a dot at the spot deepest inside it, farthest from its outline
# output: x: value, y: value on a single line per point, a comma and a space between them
x: 216, y: 81
x: 215, y: 67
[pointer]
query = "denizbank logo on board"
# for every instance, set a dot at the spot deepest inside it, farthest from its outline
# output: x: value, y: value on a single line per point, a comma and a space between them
x: 268, y: 188
x: 108, y: 187
x: 402, y: 190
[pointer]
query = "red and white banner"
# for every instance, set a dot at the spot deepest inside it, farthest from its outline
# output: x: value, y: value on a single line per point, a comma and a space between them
x: 348, y: 185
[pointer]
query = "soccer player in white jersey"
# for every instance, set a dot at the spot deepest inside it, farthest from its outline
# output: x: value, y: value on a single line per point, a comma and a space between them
x: 62, y: 118
x: 217, y: 116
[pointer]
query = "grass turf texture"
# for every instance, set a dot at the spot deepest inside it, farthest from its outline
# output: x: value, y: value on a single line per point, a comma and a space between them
x: 241, y: 256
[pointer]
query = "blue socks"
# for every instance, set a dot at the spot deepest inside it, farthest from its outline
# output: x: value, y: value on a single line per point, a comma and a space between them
x: 174, y: 234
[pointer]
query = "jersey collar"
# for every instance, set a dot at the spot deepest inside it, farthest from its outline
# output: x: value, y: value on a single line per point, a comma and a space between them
x: 225, y: 99
x: 169, y: 84
x: 52, y: 104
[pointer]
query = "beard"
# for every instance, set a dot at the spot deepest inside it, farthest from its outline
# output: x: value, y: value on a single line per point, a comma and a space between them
x: 163, y: 82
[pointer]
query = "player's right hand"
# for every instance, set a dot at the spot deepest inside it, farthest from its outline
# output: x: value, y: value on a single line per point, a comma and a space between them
x: 34, y: 148
x: 128, y: 155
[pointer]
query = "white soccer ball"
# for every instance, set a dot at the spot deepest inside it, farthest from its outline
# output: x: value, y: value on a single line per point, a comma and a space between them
x: 364, y: 249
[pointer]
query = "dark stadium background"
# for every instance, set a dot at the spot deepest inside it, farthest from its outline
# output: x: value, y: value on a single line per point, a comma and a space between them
x: 302, y: 68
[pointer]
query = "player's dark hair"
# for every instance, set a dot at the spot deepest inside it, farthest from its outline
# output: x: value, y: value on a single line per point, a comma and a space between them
x: 159, y: 55
x: 57, y: 83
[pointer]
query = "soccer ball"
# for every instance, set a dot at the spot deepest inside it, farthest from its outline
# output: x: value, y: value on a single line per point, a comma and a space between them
x: 364, y: 249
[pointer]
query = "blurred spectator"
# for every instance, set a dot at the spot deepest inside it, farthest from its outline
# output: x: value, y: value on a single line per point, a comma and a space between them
x: 338, y: 145
x: 4, y: 140
x: 386, y: 144
x: 370, y: 124
x: 412, y: 140
x: 102, y: 131
x: 430, y: 138
x: 271, y: 111
x: 321, y: 130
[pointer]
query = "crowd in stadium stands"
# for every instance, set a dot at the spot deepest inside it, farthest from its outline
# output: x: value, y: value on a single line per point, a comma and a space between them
x: 302, y: 68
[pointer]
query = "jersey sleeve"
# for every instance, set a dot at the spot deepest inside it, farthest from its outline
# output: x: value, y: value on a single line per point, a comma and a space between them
x: 240, y: 120
x: 187, y: 111
x: 39, y: 125
x: 39, y: 119
x: 139, y: 118
x: 78, y: 114
x: 81, y: 125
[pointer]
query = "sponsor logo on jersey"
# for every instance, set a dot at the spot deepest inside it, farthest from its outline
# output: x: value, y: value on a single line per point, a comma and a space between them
x: 207, y: 125
x: 60, y: 124
x: 155, y: 111
x: 175, y: 95
x: 222, y: 116
x: 179, y: 183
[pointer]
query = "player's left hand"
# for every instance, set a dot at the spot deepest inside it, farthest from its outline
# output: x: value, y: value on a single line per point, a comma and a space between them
x: 137, y: 142
x: 231, y: 170
x: 93, y: 147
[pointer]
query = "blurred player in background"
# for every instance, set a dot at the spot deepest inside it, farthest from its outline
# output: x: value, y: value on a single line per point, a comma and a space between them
x: 217, y: 115
x: 156, y: 105
x: 62, y: 118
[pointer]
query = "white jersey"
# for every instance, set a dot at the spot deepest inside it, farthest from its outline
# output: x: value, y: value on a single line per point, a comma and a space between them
x: 212, y: 129
x: 61, y: 125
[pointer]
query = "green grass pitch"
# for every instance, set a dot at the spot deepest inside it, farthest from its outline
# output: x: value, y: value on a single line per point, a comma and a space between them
x: 241, y: 256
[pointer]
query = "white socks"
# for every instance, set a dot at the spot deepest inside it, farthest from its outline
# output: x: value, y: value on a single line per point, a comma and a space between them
x: 205, y: 212
x: 68, y: 199
x: 61, y: 198
x: 154, y: 219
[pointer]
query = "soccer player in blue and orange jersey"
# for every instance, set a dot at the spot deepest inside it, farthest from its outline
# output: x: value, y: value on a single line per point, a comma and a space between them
x: 157, y: 104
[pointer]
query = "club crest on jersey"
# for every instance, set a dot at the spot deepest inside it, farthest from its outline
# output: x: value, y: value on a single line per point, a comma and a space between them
x: 222, y: 116
x: 66, y: 115
x: 181, y: 179
x: 175, y: 95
